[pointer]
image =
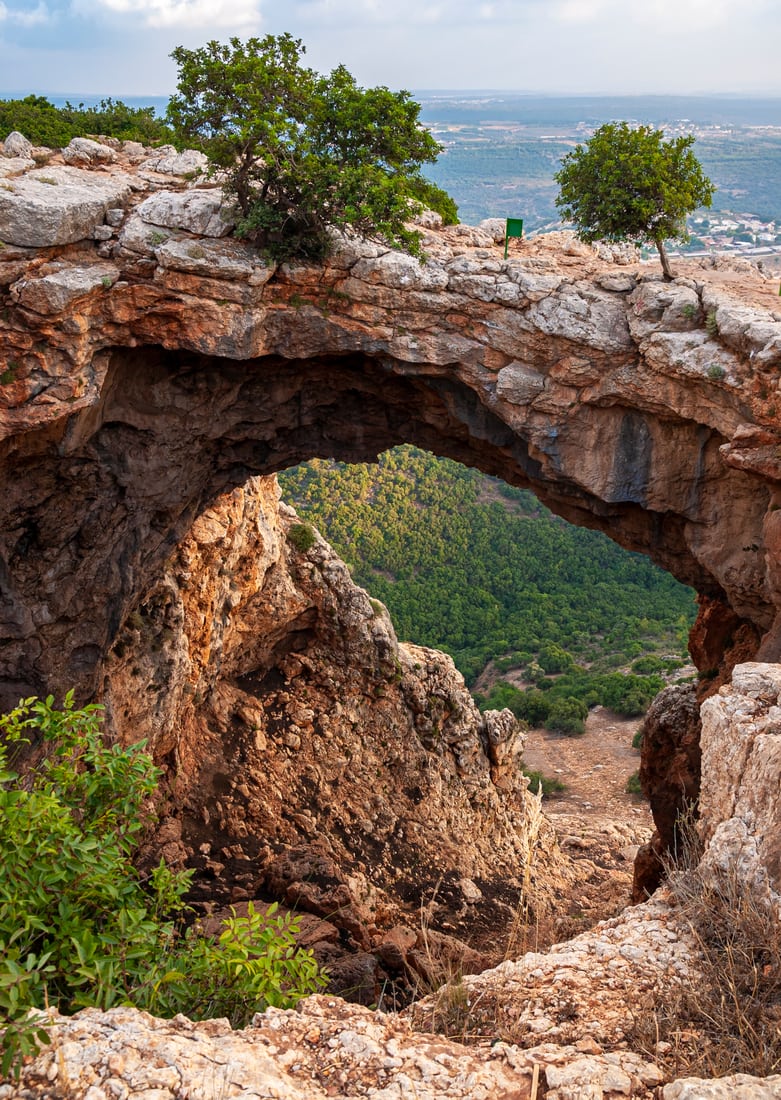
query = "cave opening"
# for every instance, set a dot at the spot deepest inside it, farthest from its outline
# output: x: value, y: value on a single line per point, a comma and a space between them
x: 276, y: 747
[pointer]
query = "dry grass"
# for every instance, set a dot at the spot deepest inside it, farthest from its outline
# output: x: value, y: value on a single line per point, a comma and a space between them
x: 727, y: 1018
x: 453, y: 1009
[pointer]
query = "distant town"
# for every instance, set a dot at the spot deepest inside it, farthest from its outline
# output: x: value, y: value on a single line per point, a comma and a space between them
x: 501, y: 154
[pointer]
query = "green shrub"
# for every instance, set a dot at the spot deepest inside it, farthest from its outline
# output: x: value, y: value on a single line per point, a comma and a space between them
x: 568, y: 716
x: 80, y: 926
x: 539, y: 781
x: 302, y: 536
x: 633, y: 785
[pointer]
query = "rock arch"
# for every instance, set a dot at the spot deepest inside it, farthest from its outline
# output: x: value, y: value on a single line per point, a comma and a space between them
x: 139, y: 389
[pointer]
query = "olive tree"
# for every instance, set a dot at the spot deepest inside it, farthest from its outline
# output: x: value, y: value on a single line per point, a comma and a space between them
x: 302, y: 152
x: 628, y: 183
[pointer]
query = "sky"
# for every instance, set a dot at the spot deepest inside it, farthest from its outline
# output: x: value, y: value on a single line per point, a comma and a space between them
x: 121, y: 47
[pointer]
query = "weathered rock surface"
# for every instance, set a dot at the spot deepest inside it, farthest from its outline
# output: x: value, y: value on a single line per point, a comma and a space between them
x: 601, y: 388
x: 57, y: 205
x: 670, y: 777
x: 324, y: 1049
x: 314, y: 760
x: 741, y: 778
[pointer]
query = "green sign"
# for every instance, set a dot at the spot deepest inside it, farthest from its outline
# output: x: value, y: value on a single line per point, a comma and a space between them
x: 514, y: 229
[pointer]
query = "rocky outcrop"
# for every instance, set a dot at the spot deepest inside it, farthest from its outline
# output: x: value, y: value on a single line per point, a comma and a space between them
x: 670, y: 778
x: 741, y: 775
x: 150, y: 364
x: 312, y: 759
x: 570, y: 1017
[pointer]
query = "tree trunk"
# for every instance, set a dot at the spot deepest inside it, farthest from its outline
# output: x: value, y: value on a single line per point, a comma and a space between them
x: 666, y: 271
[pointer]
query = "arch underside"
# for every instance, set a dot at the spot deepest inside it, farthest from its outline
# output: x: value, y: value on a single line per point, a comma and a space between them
x: 97, y: 503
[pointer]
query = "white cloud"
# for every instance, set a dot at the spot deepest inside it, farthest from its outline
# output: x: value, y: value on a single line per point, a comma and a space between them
x: 579, y: 11
x: 233, y: 15
x: 36, y: 16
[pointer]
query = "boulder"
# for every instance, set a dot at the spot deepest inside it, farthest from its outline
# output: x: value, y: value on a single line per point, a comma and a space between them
x: 169, y: 162
x: 17, y: 145
x: 201, y: 212
x: 57, y: 205
x: 82, y: 150
x: 55, y: 292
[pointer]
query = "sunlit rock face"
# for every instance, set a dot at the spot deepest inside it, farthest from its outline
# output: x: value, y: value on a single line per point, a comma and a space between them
x: 151, y: 363
x: 312, y: 758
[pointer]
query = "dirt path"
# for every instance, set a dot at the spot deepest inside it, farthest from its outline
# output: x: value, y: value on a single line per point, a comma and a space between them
x: 594, y: 769
x: 598, y: 823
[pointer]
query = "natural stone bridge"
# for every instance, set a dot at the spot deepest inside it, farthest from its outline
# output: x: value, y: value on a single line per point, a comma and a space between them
x: 150, y: 362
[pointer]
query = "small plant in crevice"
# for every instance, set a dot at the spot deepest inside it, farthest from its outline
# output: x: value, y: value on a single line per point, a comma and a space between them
x: 711, y: 323
x: 302, y: 536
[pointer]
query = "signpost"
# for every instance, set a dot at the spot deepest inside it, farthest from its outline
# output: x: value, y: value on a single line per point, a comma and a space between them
x: 514, y: 229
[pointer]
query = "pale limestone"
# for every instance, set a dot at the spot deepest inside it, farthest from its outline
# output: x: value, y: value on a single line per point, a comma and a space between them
x: 202, y: 212
x: 57, y: 205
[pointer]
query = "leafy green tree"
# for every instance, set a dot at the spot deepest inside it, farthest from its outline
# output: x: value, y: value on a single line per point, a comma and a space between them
x: 628, y: 183
x: 302, y: 152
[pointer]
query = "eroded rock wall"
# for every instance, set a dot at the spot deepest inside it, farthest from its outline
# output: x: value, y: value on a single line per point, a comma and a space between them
x: 150, y: 363
x: 312, y: 759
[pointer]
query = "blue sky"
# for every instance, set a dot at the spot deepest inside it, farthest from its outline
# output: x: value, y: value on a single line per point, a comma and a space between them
x: 121, y: 47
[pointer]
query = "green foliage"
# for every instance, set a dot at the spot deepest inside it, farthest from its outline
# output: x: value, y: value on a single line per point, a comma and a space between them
x: 628, y: 183
x: 546, y: 783
x: 567, y: 715
x: 302, y: 536
x: 79, y: 925
x: 480, y: 569
x: 633, y: 784
x: 44, y: 124
x: 716, y: 372
x: 304, y: 153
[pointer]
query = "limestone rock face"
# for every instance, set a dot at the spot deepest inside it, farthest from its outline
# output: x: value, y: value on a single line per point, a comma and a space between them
x: 741, y: 776
x: 312, y: 758
x: 57, y: 205
x: 607, y: 391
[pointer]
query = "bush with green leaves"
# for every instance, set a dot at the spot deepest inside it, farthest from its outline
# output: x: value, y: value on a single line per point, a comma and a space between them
x: 304, y: 153
x: 80, y: 925
x: 44, y: 124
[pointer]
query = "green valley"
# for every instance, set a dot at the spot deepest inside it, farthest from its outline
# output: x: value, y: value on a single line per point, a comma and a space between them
x: 483, y: 571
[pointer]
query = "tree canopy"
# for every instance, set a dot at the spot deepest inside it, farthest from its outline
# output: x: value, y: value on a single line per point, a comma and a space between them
x: 628, y: 183
x: 303, y: 152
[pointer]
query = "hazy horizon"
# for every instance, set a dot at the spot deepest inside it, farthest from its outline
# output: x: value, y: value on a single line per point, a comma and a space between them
x: 530, y: 47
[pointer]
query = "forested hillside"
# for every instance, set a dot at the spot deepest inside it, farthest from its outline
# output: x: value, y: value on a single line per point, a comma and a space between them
x: 481, y: 570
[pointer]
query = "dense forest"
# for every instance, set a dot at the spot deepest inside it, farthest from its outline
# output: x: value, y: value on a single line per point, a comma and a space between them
x: 482, y: 571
